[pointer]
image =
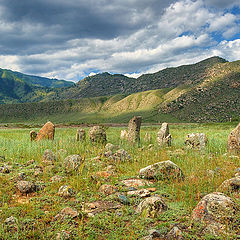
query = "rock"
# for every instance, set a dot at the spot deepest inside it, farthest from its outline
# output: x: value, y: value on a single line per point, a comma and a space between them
x: 216, y: 212
x: 134, y: 129
x: 196, y: 140
x: 26, y: 187
x: 91, y: 209
x: 63, y: 235
x: 175, y: 234
x: 11, y: 223
x: 237, y: 172
x: 48, y: 158
x: 161, y: 171
x: 65, y: 191
x: 124, y: 135
x: 111, y: 147
x: 97, y: 134
x: 108, y: 154
x: 108, y: 189
x: 135, y: 182
x: 46, y: 132
x: 121, y: 155
x: 142, y: 193
x: 102, y: 174
x: 123, y: 199
x: 230, y: 185
x: 72, y: 163
x: 233, y: 142
x: 80, y: 135
x: 33, y: 135
x: 151, y: 207
x: 67, y: 212
x: 163, y: 136
x: 5, y: 169
x: 154, y: 233
x: 21, y: 176
x: 56, y: 178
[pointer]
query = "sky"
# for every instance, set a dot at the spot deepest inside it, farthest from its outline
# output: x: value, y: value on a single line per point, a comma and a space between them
x: 71, y: 39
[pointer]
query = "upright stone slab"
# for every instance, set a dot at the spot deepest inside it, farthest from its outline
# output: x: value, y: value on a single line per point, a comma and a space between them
x: 196, y: 140
x: 46, y: 132
x: 33, y: 135
x: 97, y: 134
x: 134, y: 129
x: 163, y: 136
x: 80, y: 135
x: 233, y: 142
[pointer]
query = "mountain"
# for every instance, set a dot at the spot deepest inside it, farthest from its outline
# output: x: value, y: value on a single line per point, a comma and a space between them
x: 201, y: 92
x: 19, y: 87
x: 106, y: 84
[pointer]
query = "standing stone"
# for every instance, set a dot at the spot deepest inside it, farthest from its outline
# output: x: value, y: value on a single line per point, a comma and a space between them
x: 196, y: 140
x: 163, y: 136
x: 80, y: 135
x: 233, y: 142
x: 97, y: 134
x: 33, y: 135
x: 124, y: 135
x: 134, y: 129
x: 46, y: 132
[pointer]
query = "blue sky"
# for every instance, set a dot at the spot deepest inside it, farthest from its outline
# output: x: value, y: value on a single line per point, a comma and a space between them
x: 76, y: 38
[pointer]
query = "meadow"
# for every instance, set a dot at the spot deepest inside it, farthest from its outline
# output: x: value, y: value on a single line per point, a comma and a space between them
x: 35, y: 211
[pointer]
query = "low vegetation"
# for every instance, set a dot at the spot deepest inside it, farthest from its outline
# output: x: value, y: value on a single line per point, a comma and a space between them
x: 35, y: 212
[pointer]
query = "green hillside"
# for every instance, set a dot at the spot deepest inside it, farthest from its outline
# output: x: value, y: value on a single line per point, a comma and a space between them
x: 106, y: 84
x: 17, y: 87
x: 202, y: 92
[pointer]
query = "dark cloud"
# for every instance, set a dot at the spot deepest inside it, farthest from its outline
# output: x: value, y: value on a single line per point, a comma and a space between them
x: 55, y: 22
x: 70, y: 38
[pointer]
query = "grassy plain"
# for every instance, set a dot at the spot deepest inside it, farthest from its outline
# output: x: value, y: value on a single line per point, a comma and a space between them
x: 35, y: 212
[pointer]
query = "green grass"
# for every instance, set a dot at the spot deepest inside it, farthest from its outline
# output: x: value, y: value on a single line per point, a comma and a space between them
x: 35, y: 217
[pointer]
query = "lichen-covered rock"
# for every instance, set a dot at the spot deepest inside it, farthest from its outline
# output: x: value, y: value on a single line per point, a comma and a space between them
x: 56, y: 178
x: 111, y: 147
x: 175, y: 234
x: 5, y: 169
x: 161, y: 171
x: 67, y: 212
x: 134, y: 129
x: 65, y: 191
x: 108, y: 189
x: 48, y: 158
x: 142, y: 193
x: 230, y: 185
x: 216, y: 212
x: 196, y: 140
x: 11, y: 223
x: 46, y: 132
x: 33, y: 135
x: 164, y: 138
x: 151, y: 207
x: 135, y: 182
x: 26, y: 187
x: 233, y: 142
x: 72, y: 163
x: 97, y: 134
x: 94, y: 208
x: 121, y: 155
x: 80, y: 135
